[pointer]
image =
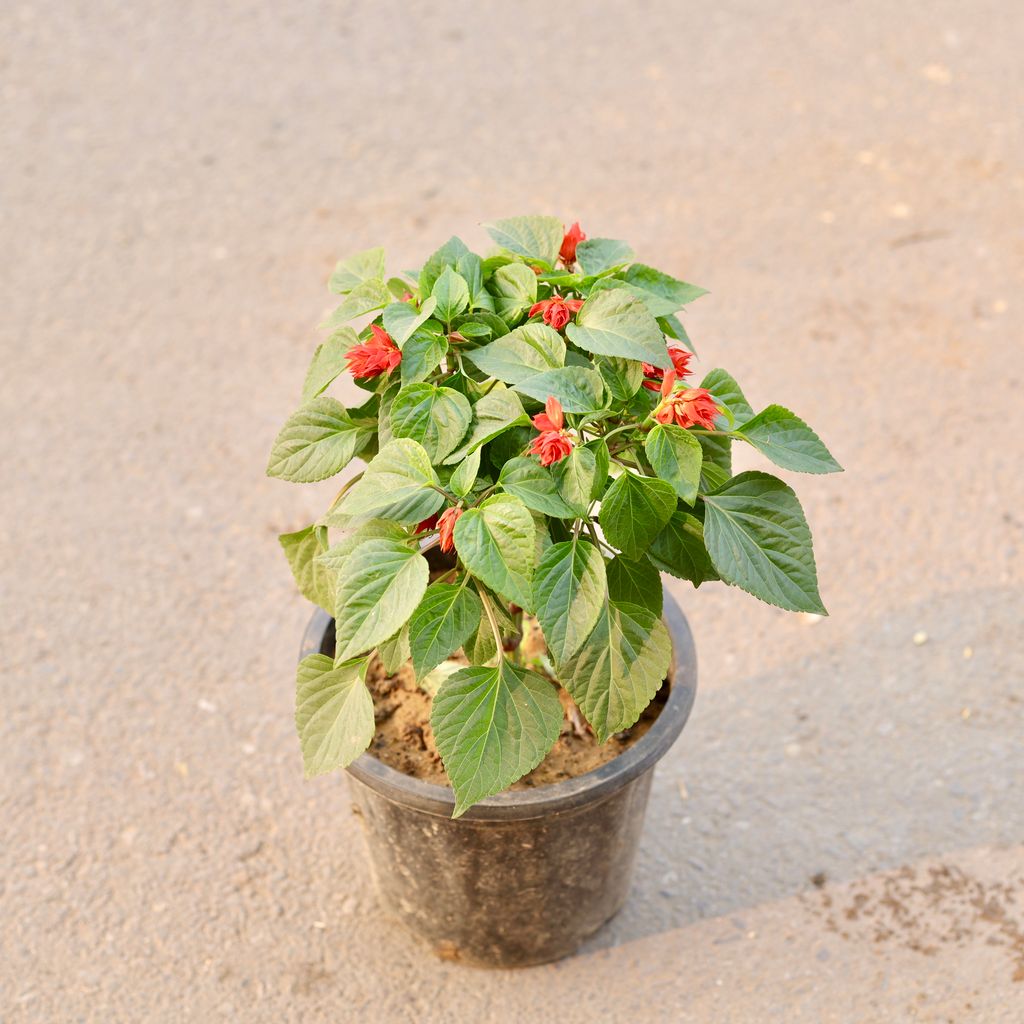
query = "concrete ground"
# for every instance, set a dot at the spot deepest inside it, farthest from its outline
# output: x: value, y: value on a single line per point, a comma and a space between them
x: 839, y: 835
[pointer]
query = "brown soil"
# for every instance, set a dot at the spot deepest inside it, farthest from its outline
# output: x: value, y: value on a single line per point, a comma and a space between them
x: 404, y: 739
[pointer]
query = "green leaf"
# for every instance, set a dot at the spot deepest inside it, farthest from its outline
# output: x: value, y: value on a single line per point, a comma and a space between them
x: 316, y: 442
x: 569, y: 590
x: 378, y: 588
x: 394, y: 652
x: 578, y: 389
x: 329, y: 361
x: 575, y: 477
x: 758, y: 540
x: 634, y: 510
x: 515, y: 290
x: 333, y: 713
x: 470, y: 268
x: 535, y: 486
x: 437, y: 418
x: 615, y: 323
x: 679, y: 550
x: 727, y: 392
x: 622, y: 377
x: 315, y: 580
x: 462, y: 480
x: 596, y: 255
x: 451, y: 294
x: 676, y: 456
x: 661, y: 293
x: 443, y: 622
x: 522, y: 353
x: 492, y: 726
x: 497, y: 543
x: 397, y: 484
x: 447, y: 256
x: 673, y: 327
x: 422, y: 354
x: 602, y: 463
x: 401, y: 319
x: 537, y: 238
x: 785, y: 439
x: 619, y: 668
x: 636, y: 582
x: 364, y: 266
x: 499, y: 410
x: 365, y: 298
x: 375, y: 529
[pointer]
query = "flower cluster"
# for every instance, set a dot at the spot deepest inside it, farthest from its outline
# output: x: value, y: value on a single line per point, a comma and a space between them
x: 379, y: 354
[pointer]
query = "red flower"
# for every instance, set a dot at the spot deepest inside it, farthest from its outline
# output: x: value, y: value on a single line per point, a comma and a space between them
x: 680, y: 360
x: 428, y: 524
x: 557, y: 311
x: 572, y: 238
x: 688, y: 407
x: 553, y: 443
x: 377, y: 355
x: 446, y: 527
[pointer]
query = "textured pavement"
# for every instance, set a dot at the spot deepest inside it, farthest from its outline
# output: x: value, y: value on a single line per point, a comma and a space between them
x: 839, y: 834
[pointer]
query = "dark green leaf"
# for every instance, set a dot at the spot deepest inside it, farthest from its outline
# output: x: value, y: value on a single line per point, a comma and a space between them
x: 676, y: 456
x: 634, y: 510
x: 499, y: 410
x: 622, y: 377
x: 785, y: 439
x: 636, y: 582
x: 443, y: 622
x: 422, y: 354
x: 619, y: 668
x: 679, y: 550
x: 569, y: 590
x: 727, y: 392
x: 758, y: 540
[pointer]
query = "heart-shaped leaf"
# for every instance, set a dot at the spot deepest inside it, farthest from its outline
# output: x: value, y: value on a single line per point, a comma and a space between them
x: 676, y: 456
x: 398, y: 484
x: 443, y: 622
x: 616, y: 323
x: 569, y: 590
x: 316, y: 442
x: 634, y: 510
x: 436, y: 418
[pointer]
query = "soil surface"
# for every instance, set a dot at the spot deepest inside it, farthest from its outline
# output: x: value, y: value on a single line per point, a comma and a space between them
x: 405, y: 741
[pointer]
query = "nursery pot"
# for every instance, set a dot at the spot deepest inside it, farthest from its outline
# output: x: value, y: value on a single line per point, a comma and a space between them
x: 522, y: 877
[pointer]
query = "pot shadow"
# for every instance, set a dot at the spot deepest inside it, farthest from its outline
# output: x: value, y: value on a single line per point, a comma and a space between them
x: 863, y: 756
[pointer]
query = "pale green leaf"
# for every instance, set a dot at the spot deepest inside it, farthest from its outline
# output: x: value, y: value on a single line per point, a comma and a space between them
x: 365, y: 298
x: 329, y: 361
x: 333, y: 713
x: 537, y: 238
x: 492, y: 726
x: 575, y: 477
x: 616, y: 323
x: 378, y: 588
x: 316, y: 442
x: 661, y: 293
x: 394, y: 652
x: 497, y: 543
x: 451, y: 294
x: 447, y: 256
x: 401, y: 319
x: 350, y: 273
x: 596, y: 255
x: 436, y: 418
x: 397, y: 484
x: 526, y: 351
x: 622, y: 377
x: 578, y: 389
x: 374, y: 529
x: 727, y: 392
x: 498, y: 411
x: 462, y: 480
x: 422, y: 354
x: 315, y: 580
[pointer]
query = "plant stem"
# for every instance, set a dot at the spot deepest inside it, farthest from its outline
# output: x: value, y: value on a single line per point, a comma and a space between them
x: 345, y: 487
x: 486, y: 602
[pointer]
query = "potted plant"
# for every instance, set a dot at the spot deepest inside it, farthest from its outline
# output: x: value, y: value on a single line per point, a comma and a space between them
x: 536, y: 453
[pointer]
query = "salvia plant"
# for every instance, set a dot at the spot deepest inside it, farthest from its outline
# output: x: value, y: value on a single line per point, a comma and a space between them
x: 533, y: 415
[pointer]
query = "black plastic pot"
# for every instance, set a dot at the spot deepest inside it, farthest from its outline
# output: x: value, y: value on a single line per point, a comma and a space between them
x: 523, y: 877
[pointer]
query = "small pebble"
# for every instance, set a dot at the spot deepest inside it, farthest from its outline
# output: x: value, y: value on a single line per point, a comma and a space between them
x: 682, y: 790
x: 320, y: 925
x: 965, y: 713
x: 968, y: 652
x: 920, y: 637
x: 206, y: 705
x: 937, y: 73
x: 810, y: 619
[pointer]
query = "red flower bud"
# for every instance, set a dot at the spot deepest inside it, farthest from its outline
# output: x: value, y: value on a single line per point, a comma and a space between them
x: 553, y: 443
x: 556, y: 310
x: 446, y: 527
x: 572, y: 238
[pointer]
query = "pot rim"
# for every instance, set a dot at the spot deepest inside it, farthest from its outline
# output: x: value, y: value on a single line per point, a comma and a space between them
x: 555, y: 797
